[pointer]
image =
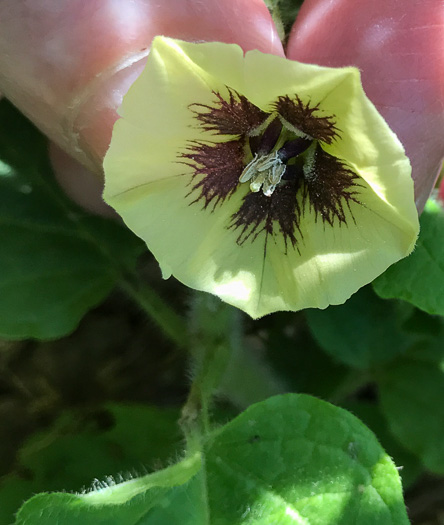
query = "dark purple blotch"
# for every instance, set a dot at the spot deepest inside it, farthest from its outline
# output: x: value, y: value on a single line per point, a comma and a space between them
x: 328, y: 188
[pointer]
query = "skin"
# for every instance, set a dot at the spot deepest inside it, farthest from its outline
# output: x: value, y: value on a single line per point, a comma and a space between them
x: 397, y: 45
x: 67, y: 64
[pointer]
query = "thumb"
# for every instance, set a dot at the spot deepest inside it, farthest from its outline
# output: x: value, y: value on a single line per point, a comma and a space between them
x: 397, y: 45
x: 67, y: 63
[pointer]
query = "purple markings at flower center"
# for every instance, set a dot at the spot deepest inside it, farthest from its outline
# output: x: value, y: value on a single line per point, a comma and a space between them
x: 265, y: 170
x: 280, y: 154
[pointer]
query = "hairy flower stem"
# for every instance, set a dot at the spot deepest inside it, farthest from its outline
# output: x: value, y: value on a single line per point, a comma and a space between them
x: 222, y: 364
x: 195, y: 419
x: 172, y: 324
x: 214, y: 332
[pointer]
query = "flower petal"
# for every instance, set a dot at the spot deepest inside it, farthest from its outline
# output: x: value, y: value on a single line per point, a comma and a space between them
x: 285, y: 251
x: 366, y: 143
x: 156, y: 121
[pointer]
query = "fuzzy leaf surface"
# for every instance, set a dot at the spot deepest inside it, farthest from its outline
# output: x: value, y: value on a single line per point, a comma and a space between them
x: 291, y: 459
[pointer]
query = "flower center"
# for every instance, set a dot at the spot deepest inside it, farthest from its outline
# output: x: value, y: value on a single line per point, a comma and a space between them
x: 280, y: 154
x: 272, y: 151
x: 264, y: 172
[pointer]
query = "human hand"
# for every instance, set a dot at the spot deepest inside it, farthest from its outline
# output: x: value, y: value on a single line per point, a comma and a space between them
x: 397, y: 46
x: 67, y: 65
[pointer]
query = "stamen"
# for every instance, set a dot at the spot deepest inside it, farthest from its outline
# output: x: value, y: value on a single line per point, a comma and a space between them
x: 264, y: 172
x: 249, y: 170
x: 257, y: 182
x: 277, y: 171
x: 268, y: 188
x: 258, y: 164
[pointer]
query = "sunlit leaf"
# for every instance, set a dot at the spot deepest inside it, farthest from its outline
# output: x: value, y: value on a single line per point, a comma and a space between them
x: 291, y: 459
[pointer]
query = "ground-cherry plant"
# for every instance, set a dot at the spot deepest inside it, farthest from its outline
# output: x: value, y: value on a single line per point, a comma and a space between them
x: 288, y: 368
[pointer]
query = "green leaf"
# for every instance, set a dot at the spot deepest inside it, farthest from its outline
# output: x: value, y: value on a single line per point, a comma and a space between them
x: 75, y: 451
x: 289, y: 9
x: 284, y: 11
x: 291, y: 459
x: 419, y: 278
x: 408, y: 464
x: 56, y: 261
x: 297, y: 357
x: 411, y: 394
x: 155, y: 499
x: 363, y: 332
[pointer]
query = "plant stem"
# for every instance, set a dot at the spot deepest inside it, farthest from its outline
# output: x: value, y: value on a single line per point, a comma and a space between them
x: 213, y: 329
x: 171, y: 323
x: 195, y: 420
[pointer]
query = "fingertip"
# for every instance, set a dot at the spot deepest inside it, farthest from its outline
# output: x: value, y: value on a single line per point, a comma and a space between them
x: 394, y: 46
x: 57, y: 56
x: 81, y: 185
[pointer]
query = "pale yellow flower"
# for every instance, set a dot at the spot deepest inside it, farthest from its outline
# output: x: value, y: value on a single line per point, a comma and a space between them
x: 273, y: 184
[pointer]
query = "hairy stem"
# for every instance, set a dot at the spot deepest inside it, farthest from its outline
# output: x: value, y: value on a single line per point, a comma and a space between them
x: 214, y: 332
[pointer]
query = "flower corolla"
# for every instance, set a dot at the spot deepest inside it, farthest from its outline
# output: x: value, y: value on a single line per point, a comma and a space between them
x: 273, y: 184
